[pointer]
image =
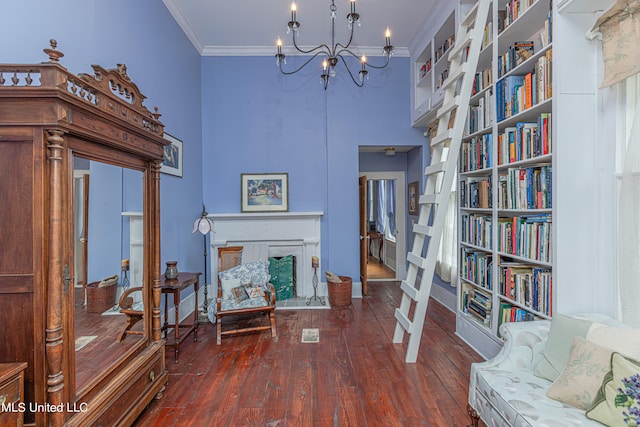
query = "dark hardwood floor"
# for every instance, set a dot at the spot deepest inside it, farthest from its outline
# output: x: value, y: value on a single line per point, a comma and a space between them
x: 355, y: 375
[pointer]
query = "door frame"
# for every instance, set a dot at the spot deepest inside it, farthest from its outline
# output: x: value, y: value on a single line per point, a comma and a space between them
x: 401, y: 216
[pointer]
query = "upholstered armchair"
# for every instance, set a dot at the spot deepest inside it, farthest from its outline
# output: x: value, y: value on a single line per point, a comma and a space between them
x: 237, y: 298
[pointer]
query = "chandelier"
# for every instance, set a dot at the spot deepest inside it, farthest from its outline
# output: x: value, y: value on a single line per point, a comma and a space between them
x: 334, y: 52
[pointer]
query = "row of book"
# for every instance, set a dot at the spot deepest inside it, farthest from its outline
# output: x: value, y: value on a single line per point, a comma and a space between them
x: 442, y: 77
x: 526, y: 236
x: 480, y: 116
x: 476, y: 230
x: 487, y: 36
x: 476, y: 193
x: 526, y: 285
x: 481, y: 80
x: 515, y: 55
x: 445, y: 46
x: 476, y: 267
x: 477, y: 304
x: 510, y: 313
x: 425, y: 68
x: 512, y: 10
x: 525, y: 188
x: 525, y: 140
x: 475, y: 153
x: 517, y: 93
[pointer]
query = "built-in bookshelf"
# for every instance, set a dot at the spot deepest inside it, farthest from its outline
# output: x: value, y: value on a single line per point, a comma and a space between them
x: 430, y: 65
x: 505, y: 214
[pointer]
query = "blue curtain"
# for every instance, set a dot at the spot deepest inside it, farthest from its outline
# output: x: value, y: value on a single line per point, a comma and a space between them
x: 380, y: 207
x: 390, y: 199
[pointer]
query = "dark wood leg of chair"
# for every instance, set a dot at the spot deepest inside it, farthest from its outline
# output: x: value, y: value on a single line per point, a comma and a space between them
x: 219, y: 331
x: 473, y: 415
x: 131, y: 320
x: 272, y: 319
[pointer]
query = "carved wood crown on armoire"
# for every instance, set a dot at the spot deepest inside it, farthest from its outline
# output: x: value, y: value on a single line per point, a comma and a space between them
x: 60, y: 230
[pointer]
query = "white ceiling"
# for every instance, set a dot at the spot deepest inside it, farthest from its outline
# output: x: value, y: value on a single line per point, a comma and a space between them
x: 251, y: 27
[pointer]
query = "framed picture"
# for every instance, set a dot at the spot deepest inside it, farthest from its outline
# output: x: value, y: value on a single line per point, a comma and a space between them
x: 264, y: 192
x: 413, y: 195
x: 172, y: 162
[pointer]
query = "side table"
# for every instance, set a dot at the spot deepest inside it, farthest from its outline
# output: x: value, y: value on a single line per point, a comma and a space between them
x: 12, y: 393
x: 180, y: 331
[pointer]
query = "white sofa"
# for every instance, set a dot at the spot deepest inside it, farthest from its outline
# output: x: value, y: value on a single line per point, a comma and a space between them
x: 504, y: 391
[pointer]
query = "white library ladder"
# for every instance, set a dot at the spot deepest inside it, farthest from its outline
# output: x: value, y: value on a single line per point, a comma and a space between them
x: 445, y: 149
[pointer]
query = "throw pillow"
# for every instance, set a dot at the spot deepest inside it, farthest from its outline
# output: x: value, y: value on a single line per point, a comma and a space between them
x: 618, y: 400
x: 227, y: 285
x: 558, y: 346
x: 581, y: 377
x: 239, y: 293
x: 621, y: 339
x: 255, y: 292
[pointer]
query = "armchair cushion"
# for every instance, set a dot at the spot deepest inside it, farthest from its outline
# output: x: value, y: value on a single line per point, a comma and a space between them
x: 255, y: 272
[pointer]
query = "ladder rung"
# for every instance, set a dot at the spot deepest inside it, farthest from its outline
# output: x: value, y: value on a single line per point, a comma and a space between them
x: 404, y: 321
x: 426, y: 199
x: 470, y: 16
x: 411, y: 291
x: 459, y: 46
x: 422, y: 229
x: 416, y: 260
x: 454, y: 76
x: 443, y: 137
x: 446, y: 108
x: 432, y: 169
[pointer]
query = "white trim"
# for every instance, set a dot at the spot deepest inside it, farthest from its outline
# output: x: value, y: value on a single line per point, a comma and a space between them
x: 401, y: 212
x: 182, y: 21
x: 369, y: 51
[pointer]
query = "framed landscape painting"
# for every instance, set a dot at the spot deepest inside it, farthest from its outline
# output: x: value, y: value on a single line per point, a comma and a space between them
x: 172, y: 162
x: 264, y: 192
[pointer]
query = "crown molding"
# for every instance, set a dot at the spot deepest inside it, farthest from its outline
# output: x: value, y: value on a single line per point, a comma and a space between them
x: 179, y: 17
x: 287, y: 50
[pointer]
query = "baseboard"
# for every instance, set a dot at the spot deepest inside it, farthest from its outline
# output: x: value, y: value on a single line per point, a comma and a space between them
x: 444, y: 297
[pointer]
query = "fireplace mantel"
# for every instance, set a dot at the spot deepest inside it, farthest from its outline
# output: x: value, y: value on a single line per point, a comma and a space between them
x: 297, y: 233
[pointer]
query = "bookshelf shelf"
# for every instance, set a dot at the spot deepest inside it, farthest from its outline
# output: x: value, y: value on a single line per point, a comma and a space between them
x: 430, y: 65
x: 507, y: 155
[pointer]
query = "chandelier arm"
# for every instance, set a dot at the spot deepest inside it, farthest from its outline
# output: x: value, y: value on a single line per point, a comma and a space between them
x: 300, y: 67
x: 328, y: 52
x: 359, y: 84
x: 378, y: 67
x: 343, y: 47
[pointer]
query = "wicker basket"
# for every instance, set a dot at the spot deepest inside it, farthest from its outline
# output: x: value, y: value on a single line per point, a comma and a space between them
x: 340, y: 293
x: 101, y: 298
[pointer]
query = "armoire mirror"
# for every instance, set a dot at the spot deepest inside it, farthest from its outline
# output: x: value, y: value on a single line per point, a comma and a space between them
x: 107, y: 235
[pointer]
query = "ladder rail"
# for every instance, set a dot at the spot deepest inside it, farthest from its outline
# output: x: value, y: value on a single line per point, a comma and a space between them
x: 440, y: 175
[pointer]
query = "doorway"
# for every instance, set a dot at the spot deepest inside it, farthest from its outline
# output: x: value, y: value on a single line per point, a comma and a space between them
x: 386, y: 248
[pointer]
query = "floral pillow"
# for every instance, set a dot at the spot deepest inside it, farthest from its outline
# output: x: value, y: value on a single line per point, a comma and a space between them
x: 256, y: 273
x: 618, y: 400
x: 582, y: 376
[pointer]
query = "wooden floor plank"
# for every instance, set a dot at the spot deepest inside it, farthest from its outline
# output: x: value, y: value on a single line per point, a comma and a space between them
x: 355, y: 375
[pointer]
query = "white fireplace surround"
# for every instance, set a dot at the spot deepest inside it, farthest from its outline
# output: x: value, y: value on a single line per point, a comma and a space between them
x: 285, y: 233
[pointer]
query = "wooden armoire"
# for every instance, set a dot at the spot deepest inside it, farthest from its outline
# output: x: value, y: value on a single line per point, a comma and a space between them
x: 51, y: 120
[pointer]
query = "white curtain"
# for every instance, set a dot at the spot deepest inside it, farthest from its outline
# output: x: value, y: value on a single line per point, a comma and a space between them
x: 447, y: 261
x: 629, y: 215
x: 390, y: 202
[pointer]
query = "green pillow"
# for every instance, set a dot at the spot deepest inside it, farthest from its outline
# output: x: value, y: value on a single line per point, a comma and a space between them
x: 556, y: 352
x: 618, y: 400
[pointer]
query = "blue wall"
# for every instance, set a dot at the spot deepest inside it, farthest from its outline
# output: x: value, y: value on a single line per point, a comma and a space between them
x: 257, y: 120
x: 234, y: 115
x: 160, y: 59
